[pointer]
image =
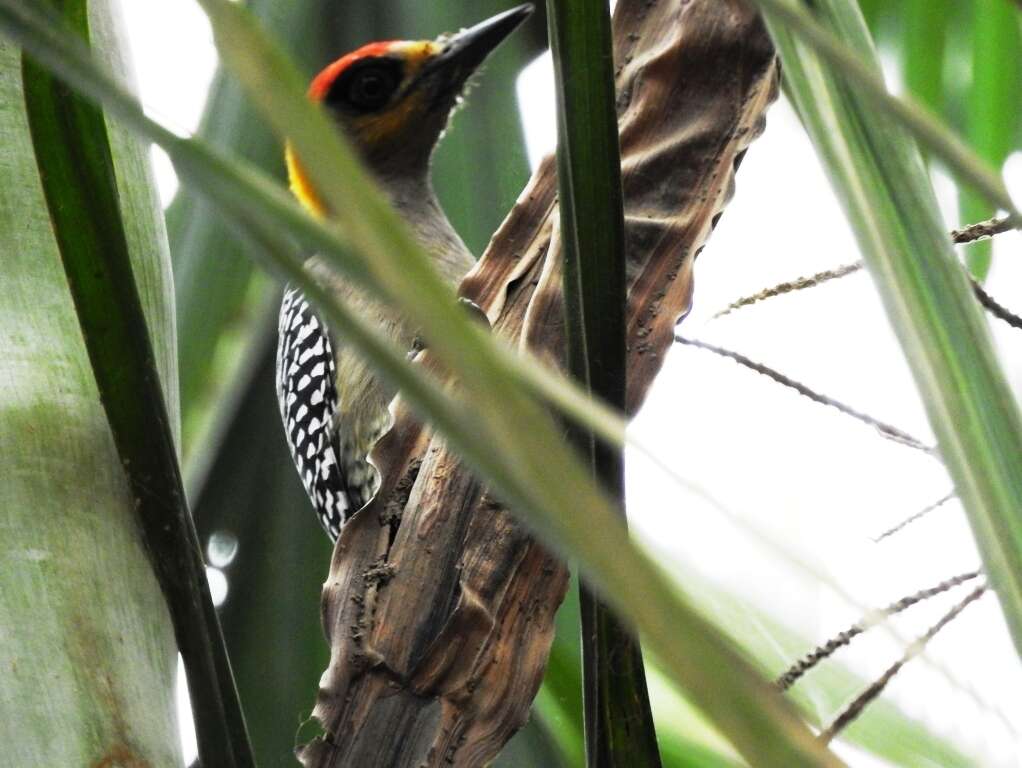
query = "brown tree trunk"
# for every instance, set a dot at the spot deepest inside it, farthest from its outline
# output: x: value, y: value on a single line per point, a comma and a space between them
x: 439, y: 607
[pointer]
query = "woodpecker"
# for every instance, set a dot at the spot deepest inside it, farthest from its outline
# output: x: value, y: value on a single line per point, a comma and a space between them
x: 393, y: 100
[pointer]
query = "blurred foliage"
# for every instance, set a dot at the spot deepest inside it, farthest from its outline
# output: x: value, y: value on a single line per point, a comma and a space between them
x: 961, y: 58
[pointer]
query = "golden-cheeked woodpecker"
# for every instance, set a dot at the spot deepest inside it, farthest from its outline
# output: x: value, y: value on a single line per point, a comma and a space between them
x: 393, y: 100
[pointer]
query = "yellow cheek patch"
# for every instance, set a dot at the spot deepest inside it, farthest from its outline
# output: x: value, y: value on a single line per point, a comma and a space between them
x: 301, y: 186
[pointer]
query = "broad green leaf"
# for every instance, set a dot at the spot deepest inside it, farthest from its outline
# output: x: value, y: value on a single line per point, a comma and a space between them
x: 878, y: 174
x: 88, y: 648
x: 619, y: 728
x: 924, y: 42
x: 76, y: 166
x: 500, y: 431
x: 995, y: 95
x: 872, y: 10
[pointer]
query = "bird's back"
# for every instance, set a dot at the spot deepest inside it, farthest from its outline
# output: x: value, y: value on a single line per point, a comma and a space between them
x: 333, y: 405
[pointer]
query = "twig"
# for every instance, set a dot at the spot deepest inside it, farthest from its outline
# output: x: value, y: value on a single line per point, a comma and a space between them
x: 918, y: 515
x: 798, y: 284
x: 981, y: 230
x: 810, y: 660
x: 853, y: 710
x: 970, y: 234
x: 886, y: 430
x: 995, y: 309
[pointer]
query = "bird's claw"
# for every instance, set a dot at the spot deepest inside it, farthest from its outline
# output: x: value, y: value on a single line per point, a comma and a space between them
x: 418, y: 344
x: 475, y: 312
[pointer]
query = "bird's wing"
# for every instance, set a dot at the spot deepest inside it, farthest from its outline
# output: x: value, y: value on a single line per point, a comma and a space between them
x: 307, y: 393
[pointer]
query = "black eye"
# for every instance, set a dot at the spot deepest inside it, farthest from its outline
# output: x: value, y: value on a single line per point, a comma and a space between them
x: 367, y: 86
x: 371, y: 88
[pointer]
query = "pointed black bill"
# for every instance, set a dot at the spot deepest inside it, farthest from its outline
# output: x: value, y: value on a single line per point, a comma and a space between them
x: 465, y: 51
x: 470, y: 47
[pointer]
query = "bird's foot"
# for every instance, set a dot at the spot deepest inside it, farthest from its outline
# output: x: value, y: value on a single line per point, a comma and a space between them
x: 418, y: 345
x: 475, y: 312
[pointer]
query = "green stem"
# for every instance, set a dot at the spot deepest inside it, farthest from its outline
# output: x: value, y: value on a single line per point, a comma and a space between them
x: 619, y: 728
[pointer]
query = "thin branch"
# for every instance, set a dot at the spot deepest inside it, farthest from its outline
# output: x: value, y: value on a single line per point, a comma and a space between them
x: 995, y: 309
x: 981, y: 230
x: 842, y: 639
x: 917, y: 516
x: 853, y: 710
x: 886, y: 430
x: 798, y: 284
x: 970, y: 234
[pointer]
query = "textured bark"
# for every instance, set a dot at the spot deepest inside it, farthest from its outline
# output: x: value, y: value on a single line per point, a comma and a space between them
x: 439, y: 606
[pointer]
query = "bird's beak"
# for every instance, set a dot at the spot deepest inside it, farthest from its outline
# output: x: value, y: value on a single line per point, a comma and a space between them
x: 465, y: 51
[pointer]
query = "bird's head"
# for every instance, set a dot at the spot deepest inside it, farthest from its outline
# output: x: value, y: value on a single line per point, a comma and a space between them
x: 393, y: 99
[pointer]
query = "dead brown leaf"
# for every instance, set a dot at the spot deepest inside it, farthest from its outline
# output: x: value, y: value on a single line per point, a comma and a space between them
x: 439, y: 606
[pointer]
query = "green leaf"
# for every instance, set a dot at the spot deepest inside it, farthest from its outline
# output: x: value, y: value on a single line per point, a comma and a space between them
x: 993, y: 106
x: 933, y: 135
x: 619, y: 729
x: 500, y: 431
x: 872, y: 10
x: 925, y: 29
x: 878, y: 174
x: 559, y: 702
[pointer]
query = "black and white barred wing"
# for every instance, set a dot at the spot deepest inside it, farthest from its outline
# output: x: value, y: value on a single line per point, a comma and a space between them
x: 307, y: 393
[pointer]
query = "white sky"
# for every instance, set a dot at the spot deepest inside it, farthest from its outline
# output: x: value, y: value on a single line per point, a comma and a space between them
x: 819, y: 482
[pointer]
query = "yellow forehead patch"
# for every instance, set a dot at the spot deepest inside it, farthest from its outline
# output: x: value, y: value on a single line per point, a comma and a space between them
x: 416, y: 53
